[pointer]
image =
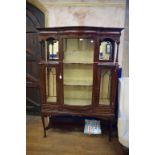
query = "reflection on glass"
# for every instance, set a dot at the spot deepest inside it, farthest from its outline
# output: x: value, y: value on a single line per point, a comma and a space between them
x: 53, y: 49
x: 78, y: 71
x: 51, y: 84
x: 105, y: 52
x: 105, y: 85
x: 78, y: 50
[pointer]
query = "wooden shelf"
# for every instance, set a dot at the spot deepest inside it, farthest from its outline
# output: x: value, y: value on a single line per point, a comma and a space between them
x: 77, y: 102
x: 78, y: 62
x: 78, y: 83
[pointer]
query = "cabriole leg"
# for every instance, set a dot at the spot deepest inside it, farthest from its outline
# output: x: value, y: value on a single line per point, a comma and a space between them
x: 43, y: 122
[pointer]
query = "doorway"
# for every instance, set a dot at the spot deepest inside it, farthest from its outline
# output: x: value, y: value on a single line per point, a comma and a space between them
x: 34, y: 19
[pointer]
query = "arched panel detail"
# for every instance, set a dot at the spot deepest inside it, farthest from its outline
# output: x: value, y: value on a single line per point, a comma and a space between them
x: 34, y: 19
x: 41, y: 8
x: 109, y: 39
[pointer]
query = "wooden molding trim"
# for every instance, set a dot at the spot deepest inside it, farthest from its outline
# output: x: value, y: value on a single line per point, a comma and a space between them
x: 120, y: 3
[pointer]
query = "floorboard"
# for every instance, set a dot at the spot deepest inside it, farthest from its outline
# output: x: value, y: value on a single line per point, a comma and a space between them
x: 67, y: 142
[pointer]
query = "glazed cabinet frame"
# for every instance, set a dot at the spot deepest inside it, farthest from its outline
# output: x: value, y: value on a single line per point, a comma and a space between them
x: 44, y: 67
x: 113, y: 69
x: 95, y: 109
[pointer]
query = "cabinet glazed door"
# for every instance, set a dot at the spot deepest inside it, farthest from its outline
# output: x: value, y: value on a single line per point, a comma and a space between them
x: 107, y: 82
x: 49, y: 86
x: 78, y: 71
x: 105, y: 87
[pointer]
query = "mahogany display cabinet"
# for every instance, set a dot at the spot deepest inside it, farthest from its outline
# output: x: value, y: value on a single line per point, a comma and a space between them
x: 79, y: 72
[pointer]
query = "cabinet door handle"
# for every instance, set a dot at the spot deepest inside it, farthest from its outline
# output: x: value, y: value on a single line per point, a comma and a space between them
x: 60, y: 76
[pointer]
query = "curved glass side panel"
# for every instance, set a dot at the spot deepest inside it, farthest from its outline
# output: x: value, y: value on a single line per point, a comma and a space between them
x: 105, y: 86
x: 51, y: 84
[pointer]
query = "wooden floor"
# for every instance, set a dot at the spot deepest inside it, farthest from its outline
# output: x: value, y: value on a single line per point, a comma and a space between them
x: 63, y: 142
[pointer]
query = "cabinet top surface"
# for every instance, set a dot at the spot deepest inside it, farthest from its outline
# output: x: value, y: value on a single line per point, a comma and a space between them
x: 81, y: 28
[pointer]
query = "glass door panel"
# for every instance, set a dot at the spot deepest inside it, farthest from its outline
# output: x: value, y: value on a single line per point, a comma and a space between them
x: 77, y: 95
x: 105, y: 87
x: 78, y: 81
x: 78, y: 71
x: 51, y: 93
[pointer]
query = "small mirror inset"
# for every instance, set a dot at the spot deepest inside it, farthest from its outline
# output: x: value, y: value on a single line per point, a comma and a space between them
x: 53, y: 49
x: 105, y: 52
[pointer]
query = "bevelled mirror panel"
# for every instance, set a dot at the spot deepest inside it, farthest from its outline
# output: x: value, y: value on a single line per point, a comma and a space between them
x: 52, y: 49
x: 105, y: 50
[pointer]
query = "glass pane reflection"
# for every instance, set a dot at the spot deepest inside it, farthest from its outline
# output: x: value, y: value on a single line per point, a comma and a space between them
x: 105, y: 52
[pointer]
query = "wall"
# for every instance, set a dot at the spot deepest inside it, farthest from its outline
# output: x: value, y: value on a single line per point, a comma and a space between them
x: 125, y: 54
x: 105, y: 13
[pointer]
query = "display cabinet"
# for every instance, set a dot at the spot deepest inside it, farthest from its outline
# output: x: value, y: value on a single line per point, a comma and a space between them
x: 78, y: 72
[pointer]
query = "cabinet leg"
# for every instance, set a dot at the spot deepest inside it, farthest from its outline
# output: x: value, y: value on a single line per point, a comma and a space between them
x: 45, y: 133
x: 110, y: 130
x: 43, y: 121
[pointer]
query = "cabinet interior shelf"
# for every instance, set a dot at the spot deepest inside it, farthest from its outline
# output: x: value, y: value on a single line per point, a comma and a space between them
x: 77, y: 102
x: 78, y: 83
x: 77, y: 62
